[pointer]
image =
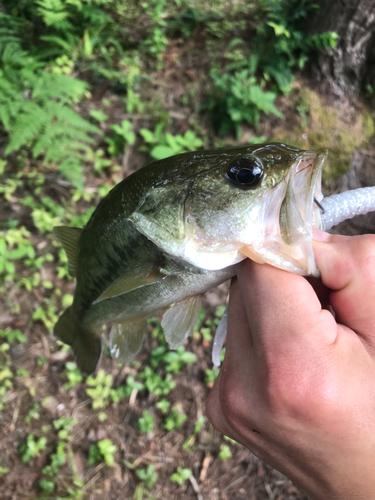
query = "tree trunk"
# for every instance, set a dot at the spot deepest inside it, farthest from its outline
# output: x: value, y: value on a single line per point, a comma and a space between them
x: 350, y: 67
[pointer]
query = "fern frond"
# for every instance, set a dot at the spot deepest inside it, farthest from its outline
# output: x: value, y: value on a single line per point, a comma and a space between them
x: 11, y: 25
x: 5, y: 117
x: 52, y: 11
x: 10, y: 40
x: 6, y: 37
x: 8, y: 91
x: 73, y: 171
x: 68, y: 45
x: 27, y: 126
x: 58, y: 152
x: 11, y: 103
x: 61, y: 134
x: 71, y: 118
x: 36, y: 105
x: 63, y: 131
x: 13, y: 55
x: 52, y: 86
x: 70, y: 160
x: 8, y: 112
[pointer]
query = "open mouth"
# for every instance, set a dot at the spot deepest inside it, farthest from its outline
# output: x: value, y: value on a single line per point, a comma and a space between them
x: 287, y: 241
x: 298, y: 212
x: 314, y: 194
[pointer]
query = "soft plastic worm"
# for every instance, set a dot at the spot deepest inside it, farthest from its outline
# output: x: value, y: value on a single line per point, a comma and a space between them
x: 220, y: 335
x: 340, y: 207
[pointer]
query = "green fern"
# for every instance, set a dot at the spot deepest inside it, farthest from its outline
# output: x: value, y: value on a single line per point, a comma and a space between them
x: 36, y: 108
x: 45, y: 123
x: 47, y: 86
x: 52, y: 11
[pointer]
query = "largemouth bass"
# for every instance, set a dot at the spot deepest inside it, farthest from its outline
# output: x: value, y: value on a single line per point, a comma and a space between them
x: 178, y: 227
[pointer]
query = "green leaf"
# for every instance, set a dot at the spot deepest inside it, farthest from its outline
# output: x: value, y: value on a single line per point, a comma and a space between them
x: 147, y: 135
x: 98, y: 115
x: 87, y: 44
x: 279, y: 29
x: 160, y: 152
x: 181, y: 475
x: 107, y: 449
x: 235, y: 42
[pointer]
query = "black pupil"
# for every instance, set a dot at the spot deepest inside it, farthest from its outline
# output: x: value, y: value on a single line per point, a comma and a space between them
x: 245, y: 171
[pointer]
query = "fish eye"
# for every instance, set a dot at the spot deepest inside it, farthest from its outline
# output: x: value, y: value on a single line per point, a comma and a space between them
x: 245, y: 171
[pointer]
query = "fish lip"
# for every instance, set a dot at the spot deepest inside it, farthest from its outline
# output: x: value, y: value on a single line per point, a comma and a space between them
x: 313, y: 161
x: 298, y: 215
x: 288, y: 244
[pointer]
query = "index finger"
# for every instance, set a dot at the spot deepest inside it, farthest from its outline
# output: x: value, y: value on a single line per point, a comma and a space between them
x: 347, y: 266
x: 283, y: 309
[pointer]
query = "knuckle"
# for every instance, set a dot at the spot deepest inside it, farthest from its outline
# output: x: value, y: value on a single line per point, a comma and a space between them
x: 213, y: 411
x: 234, y: 403
x: 363, y: 251
x: 356, y: 256
x: 301, y: 389
x: 283, y: 390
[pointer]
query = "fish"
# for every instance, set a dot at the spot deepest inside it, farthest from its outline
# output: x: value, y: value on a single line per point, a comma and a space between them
x: 178, y: 227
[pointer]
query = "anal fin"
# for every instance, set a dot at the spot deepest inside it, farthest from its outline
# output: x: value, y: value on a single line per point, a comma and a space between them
x: 126, y: 339
x: 179, y: 321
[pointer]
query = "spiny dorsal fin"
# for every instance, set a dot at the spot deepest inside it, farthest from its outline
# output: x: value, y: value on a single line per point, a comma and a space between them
x: 136, y: 278
x: 126, y: 339
x: 179, y: 321
x: 69, y: 237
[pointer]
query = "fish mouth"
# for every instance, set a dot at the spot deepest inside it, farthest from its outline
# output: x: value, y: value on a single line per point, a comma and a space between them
x: 287, y: 239
x: 299, y: 213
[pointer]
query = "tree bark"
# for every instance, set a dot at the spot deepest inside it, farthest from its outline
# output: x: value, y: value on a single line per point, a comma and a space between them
x: 350, y: 67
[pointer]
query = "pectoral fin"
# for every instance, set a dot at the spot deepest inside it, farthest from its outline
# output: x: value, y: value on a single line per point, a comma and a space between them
x: 136, y: 278
x: 126, y: 339
x: 179, y: 321
x: 69, y: 237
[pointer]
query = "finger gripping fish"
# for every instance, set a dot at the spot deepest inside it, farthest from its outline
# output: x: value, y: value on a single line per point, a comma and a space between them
x: 178, y: 227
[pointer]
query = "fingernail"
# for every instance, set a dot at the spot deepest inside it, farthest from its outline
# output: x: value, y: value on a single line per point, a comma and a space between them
x: 320, y: 235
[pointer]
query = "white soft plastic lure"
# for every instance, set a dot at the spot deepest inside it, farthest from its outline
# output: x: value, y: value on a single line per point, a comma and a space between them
x: 343, y: 206
x: 334, y: 209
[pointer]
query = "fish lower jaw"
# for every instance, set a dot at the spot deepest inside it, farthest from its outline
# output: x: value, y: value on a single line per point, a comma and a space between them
x: 211, y: 261
x: 298, y: 259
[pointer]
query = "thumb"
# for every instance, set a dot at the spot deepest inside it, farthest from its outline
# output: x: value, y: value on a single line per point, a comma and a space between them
x: 347, y: 266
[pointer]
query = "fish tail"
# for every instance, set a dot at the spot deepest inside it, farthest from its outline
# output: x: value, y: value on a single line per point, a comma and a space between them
x: 85, y: 343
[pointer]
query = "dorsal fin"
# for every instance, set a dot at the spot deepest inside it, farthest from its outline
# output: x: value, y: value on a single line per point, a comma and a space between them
x: 68, y: 237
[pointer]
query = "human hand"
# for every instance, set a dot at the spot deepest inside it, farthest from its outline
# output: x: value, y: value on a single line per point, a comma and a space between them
x: 297, y: 386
